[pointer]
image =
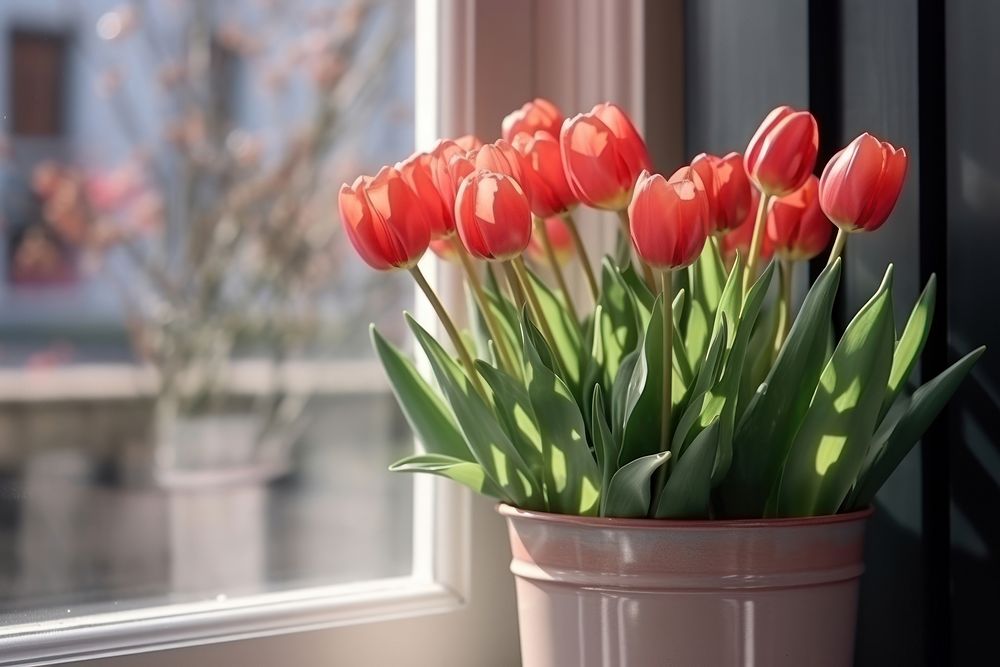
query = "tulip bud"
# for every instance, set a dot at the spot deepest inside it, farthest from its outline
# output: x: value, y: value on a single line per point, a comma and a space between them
x: 603, y: 155
x: 492, y: 216
x: 669, y: 218
x: 548, y: 190
x: 417, y: 170
x: 861, y: 183
x: 796, y: 226
x: 559, y: 238
x: 739, y: 239
x: 539, y: 115
x: 727, y: 187
x: 385, y: 220
x: 782, y: 153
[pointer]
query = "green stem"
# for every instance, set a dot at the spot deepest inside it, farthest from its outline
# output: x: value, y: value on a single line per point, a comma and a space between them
x: 666, y: 288
x: 514, y: 290
x: 496, y: 333
x: 557, y: 272
x: 581, y: 251
x: 647, y: 273
x: 518, y: 272
x: 450, y: 328
x: 785, y: 268
x: 838, y: 246
x: 755, y: 244
x: 666, y: 292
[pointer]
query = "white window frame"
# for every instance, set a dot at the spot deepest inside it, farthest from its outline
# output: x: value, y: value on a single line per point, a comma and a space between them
x: 457, y: 608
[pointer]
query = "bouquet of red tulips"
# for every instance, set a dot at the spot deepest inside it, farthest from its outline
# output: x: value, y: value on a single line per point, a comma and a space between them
x: 689, y: 389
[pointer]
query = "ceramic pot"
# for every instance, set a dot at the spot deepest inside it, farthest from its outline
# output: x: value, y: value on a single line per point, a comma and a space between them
x: 595, y: 591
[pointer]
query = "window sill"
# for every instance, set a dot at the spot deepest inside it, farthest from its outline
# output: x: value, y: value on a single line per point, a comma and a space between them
x: 173, y: 626
x: 84, y: 382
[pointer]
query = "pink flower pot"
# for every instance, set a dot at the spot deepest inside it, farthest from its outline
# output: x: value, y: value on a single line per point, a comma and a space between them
x: 593, y: 591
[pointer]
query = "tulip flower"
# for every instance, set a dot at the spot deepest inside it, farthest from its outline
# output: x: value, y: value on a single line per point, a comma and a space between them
x: 782, y: 153
x: 446, y: 179
x: 796, y: 226
x: 603, y: 155
x: 492, y: 216
x: 385, y: 220
x: 559, y: 238
x: 727, y: 187
x: 669, y: 218
x: 861, y: 183
x: 549, y: 193
x: 418, y: 172
x: 501, y: 158
x: 538, y: 115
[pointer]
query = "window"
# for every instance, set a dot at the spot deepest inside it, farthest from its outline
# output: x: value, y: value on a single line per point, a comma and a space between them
x: 223, y: 431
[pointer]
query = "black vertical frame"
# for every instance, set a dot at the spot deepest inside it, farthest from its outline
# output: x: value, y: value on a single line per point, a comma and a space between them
x: 932, y: 174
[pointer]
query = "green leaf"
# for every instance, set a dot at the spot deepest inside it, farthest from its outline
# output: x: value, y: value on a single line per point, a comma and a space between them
x: 565, y: 329
x: 776, y: 410
x: 470, y: 474
x: 644, y: 298
x: 505, y: 314
x: 728, y: 390
x: 829, y: 448
x: 910, y: 344
x: 604, y: 447
x: 708, y: 375
x: 513, y: 407
x: 707, y: 278
x: 644, y: 396
x: 619, y: 320
x: 487, y: 440
x: 427, y: 414
x: 687, y: 493
x: 628, y: 492
x: 890, y: 446
x: 619, y: 394
x: 571, y: 478
x: 759, y: 355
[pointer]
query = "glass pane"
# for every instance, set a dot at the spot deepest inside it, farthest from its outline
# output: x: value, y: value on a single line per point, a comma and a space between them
x: 189, y: 407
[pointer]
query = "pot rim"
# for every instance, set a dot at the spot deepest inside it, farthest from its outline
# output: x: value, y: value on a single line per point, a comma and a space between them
x: 683, y: 524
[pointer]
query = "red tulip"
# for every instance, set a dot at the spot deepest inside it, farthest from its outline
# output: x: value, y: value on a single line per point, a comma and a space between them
x: 782, y: 153
x: 499, y: 157
x: 669, y: 218
x: 796, y: 226
x: 539, y: 115
x: 861, y: 183
x: 492, y: 216
x: 548, y: 190
x: 445, y: 179
x: 559, y: 239
x: 603, y: 155
x: 727, y: 187
x: 385, y: 220
x: 739, y: 239
x: 418, y: 172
